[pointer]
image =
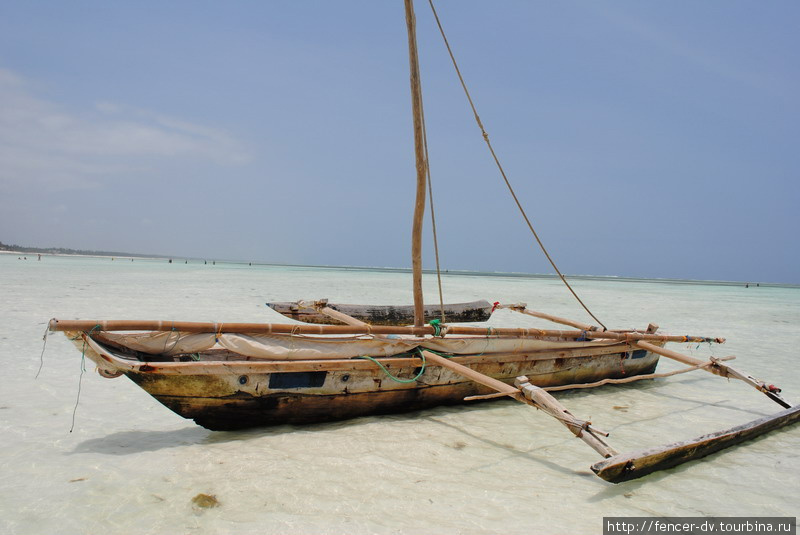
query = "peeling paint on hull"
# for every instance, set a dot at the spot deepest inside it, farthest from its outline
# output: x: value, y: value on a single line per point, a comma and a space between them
x: 230, y: 401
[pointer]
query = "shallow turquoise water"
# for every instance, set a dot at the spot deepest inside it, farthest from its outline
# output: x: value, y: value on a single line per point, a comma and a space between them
x: 132, y: 466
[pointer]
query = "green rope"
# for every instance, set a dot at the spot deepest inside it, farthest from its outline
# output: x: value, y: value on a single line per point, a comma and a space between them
x: 437, y: 327
x: 394, y: 378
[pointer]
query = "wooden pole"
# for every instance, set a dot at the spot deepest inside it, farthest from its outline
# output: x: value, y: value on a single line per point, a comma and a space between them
x: 473, y: 375
x: 308, y: 328
x: 539, y: 399
x: 422, y: 164
x: 323, y: 308
x: 549, y: 317
x: 580, y: 428
x: 594, y: 332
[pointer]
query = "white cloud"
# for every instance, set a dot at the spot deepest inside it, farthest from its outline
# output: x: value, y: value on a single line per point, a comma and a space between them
x: 43, y: 143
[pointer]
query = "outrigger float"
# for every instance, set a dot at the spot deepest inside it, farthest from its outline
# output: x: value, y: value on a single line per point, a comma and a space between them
x: 342, y: 361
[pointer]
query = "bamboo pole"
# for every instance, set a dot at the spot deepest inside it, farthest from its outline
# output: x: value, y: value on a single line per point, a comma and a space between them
x: 421, y: 164
x: 306, y: 328
x: 594, y: 332
x: 282, y: 328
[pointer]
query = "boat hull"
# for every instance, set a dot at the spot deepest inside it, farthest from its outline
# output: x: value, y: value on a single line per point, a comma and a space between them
x: 386, y: 314
x: 317, y: 392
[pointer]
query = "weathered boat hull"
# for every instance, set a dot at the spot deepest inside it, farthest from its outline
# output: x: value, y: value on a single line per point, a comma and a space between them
x: 386, y: 314
x: 305, y: 392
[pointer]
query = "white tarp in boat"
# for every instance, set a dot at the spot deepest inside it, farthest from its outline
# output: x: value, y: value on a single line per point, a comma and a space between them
x: 297, y: 347
x: 161, y: 342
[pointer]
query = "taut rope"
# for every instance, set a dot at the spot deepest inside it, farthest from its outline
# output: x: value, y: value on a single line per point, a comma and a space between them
x: 500, y: 167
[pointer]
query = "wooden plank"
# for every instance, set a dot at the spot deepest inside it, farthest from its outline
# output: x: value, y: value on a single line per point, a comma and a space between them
x: 627, y: 466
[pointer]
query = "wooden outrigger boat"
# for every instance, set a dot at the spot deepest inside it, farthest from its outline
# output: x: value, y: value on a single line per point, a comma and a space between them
x: 233, y: 376
x: 342, y: 361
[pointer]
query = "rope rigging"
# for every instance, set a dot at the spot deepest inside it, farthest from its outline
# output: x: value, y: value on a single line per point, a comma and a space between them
x: 433, y: 213
x: 500, y: 167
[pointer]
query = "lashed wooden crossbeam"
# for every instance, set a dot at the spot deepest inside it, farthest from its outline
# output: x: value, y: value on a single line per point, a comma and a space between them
x: 721, y: 369
x: 716, y: 366
x: 532, y: 396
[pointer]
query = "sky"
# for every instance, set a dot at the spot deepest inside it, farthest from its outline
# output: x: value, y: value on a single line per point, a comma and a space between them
x: 645, y: 139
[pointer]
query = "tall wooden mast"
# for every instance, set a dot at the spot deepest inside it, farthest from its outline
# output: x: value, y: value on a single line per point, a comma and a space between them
x: 422, y: 164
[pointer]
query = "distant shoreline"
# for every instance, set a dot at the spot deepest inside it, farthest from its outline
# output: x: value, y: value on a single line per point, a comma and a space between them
x: 99, y: 254
x: 456, y: 272
x: 16, y: 249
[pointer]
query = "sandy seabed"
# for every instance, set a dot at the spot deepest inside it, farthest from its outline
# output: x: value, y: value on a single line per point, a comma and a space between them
x: 132, y: 466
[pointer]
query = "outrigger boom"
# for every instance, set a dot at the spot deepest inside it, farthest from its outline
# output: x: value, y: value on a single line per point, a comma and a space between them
x: 619, y: 467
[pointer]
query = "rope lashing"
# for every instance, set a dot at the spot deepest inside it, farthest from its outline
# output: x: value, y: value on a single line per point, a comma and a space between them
x: 44, y: 345
x: 437, y: 327
x: 178, y: 339
x: 393, y: 377
x: 433, y: 213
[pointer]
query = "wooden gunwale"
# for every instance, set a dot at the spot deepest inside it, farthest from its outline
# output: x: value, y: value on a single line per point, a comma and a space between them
x: 265, y: 366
